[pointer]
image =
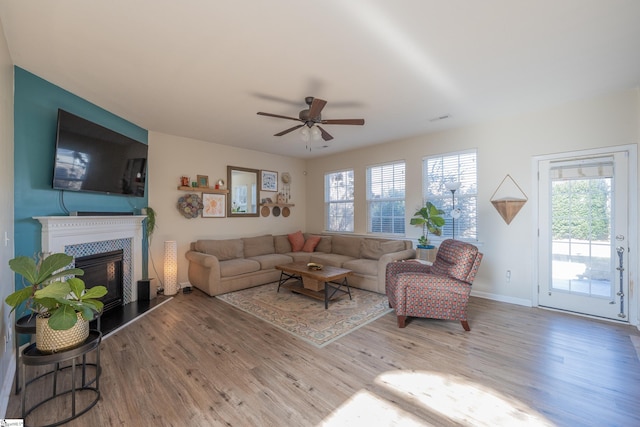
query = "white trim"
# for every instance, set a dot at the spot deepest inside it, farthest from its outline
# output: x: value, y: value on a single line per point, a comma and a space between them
x: 501, y: 298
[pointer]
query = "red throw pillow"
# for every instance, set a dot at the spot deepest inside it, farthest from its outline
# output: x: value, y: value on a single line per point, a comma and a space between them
x: 297, y: 241
x: 311, y: 243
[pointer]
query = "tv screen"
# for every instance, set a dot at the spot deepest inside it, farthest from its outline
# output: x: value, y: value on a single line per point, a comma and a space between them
x: 90, y: 157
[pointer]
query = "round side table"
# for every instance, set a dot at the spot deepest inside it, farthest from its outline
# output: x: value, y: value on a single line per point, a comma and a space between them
x: 31, y: 356
x: 26, y: 325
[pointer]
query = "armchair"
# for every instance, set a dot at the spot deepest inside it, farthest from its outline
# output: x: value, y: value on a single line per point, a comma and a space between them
x: 438, y: 291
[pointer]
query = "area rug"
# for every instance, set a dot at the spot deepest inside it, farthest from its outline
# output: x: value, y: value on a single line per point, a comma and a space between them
x: 306, y: 317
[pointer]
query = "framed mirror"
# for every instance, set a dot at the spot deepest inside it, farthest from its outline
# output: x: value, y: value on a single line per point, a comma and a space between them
x: 243, y: 185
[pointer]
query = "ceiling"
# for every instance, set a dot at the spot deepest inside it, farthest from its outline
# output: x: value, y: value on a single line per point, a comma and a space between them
x: 203, y: 68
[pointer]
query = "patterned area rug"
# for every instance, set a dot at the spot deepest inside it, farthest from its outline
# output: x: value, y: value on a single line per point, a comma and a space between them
x: 306, y: 317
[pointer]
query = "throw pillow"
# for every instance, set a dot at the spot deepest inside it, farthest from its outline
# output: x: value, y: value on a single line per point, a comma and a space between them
x: 311, y: 243
x: 297, y: 241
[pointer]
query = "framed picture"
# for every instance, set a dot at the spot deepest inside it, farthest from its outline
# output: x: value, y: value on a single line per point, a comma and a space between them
x: 269, y: 181
x: 214, y: 205
x: 203, y: 181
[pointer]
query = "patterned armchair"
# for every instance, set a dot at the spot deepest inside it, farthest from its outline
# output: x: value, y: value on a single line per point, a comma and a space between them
x: 438, y: 291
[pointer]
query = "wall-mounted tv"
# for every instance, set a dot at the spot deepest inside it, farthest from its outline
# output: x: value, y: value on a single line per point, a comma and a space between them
x: 90, y: 157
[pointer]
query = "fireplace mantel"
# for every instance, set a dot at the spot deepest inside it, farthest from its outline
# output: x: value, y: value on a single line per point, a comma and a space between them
x: 61, y: 231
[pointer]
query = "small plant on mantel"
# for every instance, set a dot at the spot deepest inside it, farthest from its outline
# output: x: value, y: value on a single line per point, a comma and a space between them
x: 430, y: 219
x: 58, y: 300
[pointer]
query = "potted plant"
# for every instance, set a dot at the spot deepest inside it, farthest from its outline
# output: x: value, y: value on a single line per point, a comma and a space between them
x: 62, y: 304
x: 431, y: 220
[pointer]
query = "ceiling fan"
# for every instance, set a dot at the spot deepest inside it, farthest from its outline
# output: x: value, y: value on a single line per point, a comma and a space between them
x: 311, y: 116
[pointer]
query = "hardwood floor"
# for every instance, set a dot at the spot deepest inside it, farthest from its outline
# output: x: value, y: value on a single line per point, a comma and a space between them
x: 196, y: 361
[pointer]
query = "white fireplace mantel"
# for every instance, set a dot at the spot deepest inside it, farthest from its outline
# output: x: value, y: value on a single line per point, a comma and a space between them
x: 61, y: 231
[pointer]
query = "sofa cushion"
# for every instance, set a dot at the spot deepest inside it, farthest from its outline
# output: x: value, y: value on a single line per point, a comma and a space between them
x: 311, y: 243
x: 375, y: 248
x: 297, y: 241
x: 367, y: 267
x: 221, y: 249
x: 324, y: 245
x: 334, y: 260
x: 261, y: 245
x: 282, y: 244
x: 237, y: 266
x: 271, y: 260
x: 346, y: 245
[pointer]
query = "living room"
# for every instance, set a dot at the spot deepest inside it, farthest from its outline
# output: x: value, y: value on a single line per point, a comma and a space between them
x: 508, y: 144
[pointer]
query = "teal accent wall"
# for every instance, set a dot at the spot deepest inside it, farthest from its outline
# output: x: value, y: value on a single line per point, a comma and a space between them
x: 36, y: 104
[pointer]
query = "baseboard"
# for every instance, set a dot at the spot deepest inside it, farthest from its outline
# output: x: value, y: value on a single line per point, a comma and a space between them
x: 501, y: 298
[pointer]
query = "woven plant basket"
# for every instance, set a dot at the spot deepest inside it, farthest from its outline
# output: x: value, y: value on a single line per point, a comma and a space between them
x: 52, y: 341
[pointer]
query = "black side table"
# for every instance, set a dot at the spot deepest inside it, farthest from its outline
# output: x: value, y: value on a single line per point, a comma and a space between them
x: 26, y: 325
x: 31, y: 356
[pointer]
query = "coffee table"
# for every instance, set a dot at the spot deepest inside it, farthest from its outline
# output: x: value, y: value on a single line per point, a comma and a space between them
x: 315, y: 283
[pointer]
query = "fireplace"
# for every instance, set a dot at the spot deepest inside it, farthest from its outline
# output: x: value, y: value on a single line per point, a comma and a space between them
x: 81, y: 236
x: 104, y: 269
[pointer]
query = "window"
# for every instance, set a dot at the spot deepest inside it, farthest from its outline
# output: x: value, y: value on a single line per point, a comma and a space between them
x: 460, y: 167
x: 338, y: 198
x: 385, y: 198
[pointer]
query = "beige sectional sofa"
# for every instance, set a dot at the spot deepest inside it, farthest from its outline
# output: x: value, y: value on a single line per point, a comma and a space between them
x: 221, y: 266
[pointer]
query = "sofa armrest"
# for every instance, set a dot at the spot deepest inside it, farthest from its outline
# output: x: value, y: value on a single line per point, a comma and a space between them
x: 204, y: 272
x: 386, y: 259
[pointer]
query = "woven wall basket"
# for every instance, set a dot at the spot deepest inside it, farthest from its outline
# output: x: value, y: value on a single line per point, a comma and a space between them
x: 52, y: 341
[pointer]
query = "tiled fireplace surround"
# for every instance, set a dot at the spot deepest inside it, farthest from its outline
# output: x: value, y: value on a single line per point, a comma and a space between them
x: 89, y: 235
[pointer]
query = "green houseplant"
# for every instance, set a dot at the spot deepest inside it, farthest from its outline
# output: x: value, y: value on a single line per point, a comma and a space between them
x: 60, y: 302
x: 429, y: 217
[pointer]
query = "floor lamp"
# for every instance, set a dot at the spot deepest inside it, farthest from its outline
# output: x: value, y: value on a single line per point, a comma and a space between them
x: 455, y: 213
x: 170, y: 267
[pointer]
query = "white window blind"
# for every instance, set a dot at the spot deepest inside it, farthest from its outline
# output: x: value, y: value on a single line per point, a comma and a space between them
x: 338, y: 196
x: 452, y: 167
x: 386, y: 198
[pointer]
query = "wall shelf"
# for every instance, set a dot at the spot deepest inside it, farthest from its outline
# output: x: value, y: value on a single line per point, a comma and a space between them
x: 202, y: 190
x: 280, y: 205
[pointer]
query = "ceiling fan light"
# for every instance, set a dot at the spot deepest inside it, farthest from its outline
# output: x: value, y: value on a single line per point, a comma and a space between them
x: 315, y: 133
x: 305, y: 134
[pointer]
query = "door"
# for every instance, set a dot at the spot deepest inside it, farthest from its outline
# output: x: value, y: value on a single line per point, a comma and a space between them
x: 583, y: 235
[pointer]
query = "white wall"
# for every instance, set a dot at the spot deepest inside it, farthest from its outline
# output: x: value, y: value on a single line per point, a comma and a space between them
x: 504, y: 147
x: 170, y: 157
x: 7, y: 360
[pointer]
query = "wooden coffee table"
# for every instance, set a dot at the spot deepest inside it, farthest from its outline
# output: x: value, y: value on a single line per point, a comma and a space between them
x: 315, y: 283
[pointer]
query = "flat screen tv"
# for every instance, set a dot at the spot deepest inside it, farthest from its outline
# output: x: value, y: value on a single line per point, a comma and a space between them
x: 90, y: 157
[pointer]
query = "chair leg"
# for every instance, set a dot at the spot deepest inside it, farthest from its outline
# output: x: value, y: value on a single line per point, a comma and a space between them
x: 465, y: 325
x: 401, y: 321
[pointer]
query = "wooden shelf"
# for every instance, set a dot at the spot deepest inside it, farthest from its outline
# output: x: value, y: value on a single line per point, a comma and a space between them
x: 282, y: 205
x: 202, y: 190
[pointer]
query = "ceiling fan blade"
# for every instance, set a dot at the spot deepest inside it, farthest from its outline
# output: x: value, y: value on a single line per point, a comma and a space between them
x: 343, y: 122
x: 325, y: 135
x: 316, y: 107
x: 278, y: 116
x: 284, y: 132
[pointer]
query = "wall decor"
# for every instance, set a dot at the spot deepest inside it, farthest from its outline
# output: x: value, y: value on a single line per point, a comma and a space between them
x: 203, y: 181
x: 190, y: 206
x: 214, y: 205
x: 269, y: 180
x: 506, y: 201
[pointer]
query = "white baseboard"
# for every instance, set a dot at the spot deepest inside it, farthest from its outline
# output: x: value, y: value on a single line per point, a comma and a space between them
x: 501, y: 298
